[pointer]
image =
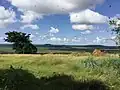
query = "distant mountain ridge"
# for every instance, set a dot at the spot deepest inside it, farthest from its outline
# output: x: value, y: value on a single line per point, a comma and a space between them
x: 67, y: 46
x: 47, y: 48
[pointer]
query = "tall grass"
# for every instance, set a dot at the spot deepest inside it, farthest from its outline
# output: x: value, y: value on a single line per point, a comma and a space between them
x: 106, y: 68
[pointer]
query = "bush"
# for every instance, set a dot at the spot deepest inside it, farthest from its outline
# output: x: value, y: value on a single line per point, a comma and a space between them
x: 98, y: 52
x: 18, y: 79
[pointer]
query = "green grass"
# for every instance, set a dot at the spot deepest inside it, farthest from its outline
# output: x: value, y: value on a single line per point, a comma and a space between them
x: 6, y: 49
x: 106, y: 69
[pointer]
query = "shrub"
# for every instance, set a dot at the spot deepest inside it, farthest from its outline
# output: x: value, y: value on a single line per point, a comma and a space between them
x: 18, y: 79
x: 98, y: 52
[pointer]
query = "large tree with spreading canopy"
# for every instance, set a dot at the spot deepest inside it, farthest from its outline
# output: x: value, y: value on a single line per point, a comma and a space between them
x: 21, y: 42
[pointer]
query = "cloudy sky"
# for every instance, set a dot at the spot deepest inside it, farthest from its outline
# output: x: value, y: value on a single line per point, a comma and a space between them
x: 79, y: 22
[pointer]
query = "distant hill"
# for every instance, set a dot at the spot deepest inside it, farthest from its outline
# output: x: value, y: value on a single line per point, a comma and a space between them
x: 79, y: 46
x: 63, y: 48
x: 5, y: 45
x: 68, y: 46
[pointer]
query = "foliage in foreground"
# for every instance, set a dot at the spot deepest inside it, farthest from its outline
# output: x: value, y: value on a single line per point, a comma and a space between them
x: 21, y: 42
x: 84, y: 68
x: 115, y: 24
x: 18, y: 79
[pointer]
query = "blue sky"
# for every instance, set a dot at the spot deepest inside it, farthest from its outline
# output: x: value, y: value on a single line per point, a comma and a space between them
x: 79, y: 23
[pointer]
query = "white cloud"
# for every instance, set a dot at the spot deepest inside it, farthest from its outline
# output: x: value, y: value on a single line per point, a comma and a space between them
x: 58, y: 39
x: 50, y: 34
x: 116, y: 20
x: 30, y: 16
x: 4, y: 14
x: 7, y: 16
x: 30, y: 26
x: 55, y: 6
x: 1, y: 38
x: 118, y: 23
x: 54, y: 30
x: 55, y: 39
x: 76, y: 40
x: 113, y: 37
x: 88, y: 17
x: 66, y: 40
x: 32, y: 36
x: 99, y: 40
x: 36, y: 9
x: 82, y: 27
x: 37, y: 33
x: 86, y: 32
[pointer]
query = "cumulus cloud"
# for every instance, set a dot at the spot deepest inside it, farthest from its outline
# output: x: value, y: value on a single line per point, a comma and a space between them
x: 7, y: 16
x: 55, y: 6
x: 30, y: 26
x: 58, y: 39
x: 50, y: 35
x: 75, y: 39
x: 63, y: 40
x: 88, y: 17
x: 66, y: 39
x: 99, y: 40
x: 82, y: 27
x: 55, y: 39
x: 113, y: 37
x: 30, y: 16
x: 86, y: 32
x: 36, y: 9
x: 32, y: 36
x: 54, y: 30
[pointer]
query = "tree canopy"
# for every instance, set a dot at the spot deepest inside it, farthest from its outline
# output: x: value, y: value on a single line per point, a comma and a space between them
x: 21, y: 42
x: 115, y: 24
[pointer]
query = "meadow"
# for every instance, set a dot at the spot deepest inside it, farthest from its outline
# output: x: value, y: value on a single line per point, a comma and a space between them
x: 83, y: 68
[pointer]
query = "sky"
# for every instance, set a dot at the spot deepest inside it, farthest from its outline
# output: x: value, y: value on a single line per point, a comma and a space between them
x: 68, y: 22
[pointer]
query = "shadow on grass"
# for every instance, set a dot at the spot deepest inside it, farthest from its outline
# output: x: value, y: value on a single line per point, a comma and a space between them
x: 18, y: 79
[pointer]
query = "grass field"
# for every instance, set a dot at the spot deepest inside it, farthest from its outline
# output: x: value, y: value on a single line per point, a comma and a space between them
x: 105, y: 69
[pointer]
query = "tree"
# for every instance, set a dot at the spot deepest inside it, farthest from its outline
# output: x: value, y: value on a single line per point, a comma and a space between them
x: 21, y: 42
x: 115, y: 24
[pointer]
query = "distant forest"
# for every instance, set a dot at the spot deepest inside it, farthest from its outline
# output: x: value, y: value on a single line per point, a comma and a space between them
x: 47, y: 48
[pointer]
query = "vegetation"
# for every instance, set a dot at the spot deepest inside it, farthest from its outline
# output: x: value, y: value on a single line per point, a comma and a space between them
x: 59, y: 72
x: 21, y: 42
x: 98, y: 52
x: 7, y: 48
x: 115, y: 23
x: 18, y: 79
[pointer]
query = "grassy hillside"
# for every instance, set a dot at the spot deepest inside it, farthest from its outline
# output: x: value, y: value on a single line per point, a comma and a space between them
x: 105, y: 69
